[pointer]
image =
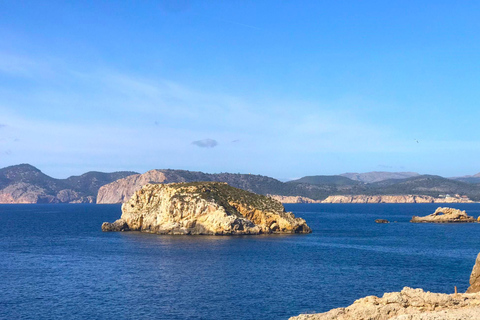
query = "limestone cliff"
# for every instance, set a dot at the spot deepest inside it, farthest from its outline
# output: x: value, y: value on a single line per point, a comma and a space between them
x: 445, y: 215
x: 25, y: 193
x: 409, y: 304
x: 475, y: 277
x: 292, y: 199
x: 121, y: 190
x: 204, y: 208
x: 393, y: 199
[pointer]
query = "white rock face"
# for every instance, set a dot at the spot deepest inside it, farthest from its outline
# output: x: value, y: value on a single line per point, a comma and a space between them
x: 292, y: 199
x: 475, y: 277
x: 121, y: 190
x: 409, y: 304
x: 393, y: 199
x: 204, y: 208
x: 24, y: 193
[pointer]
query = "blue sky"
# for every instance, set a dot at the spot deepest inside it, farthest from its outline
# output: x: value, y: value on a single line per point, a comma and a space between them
x: 278, y: 88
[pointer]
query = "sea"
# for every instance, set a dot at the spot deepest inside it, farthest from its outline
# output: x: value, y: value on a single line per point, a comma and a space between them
x: 56, y: 263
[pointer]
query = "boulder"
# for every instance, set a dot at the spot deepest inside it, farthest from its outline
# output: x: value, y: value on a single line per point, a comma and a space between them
x: 207, y: 208
x: 382, y: 221
x: 445, y: 215
x: 119, y: 225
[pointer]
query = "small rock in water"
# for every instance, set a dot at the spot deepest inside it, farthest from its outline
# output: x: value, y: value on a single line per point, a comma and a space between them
x: 119, y: 225
x: 382, y: 221
x: 445, y: 215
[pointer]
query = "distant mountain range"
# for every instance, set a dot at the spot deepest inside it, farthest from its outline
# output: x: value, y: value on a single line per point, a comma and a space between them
x: 312, y: 187
x: 26, y: 184
x: 469, y: 179
x: 375, y: 176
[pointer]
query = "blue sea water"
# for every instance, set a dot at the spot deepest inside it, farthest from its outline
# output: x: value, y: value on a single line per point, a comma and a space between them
x: 55, y: 263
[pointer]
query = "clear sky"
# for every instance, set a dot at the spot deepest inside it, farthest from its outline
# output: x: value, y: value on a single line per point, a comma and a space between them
x: 278, y: 88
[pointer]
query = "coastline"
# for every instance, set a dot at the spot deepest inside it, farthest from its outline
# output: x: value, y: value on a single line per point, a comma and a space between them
x: 408, y: 304
x: 409, y: 198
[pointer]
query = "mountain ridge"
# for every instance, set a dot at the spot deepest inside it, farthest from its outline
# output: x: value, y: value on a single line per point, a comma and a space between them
x: 375, y: 176
x: 25, y: 183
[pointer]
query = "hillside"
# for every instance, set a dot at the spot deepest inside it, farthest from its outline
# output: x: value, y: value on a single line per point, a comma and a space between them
x: 326, y: 180
x: 26, y: 184
x: 376, y: 176
x: 313, y: 187
x: 469, y: 179
x: 426, y: 185
x: 122, y: 189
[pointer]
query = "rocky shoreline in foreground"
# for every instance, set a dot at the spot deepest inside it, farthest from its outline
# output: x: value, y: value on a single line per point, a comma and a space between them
x: 411, y: 304
x: 408, y: 304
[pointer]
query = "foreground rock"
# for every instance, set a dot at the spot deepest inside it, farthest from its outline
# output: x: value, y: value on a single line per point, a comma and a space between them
x: 213, y: 208
x: 409, y: 304
x: 394, y: 199
x: 445, y: 215
x: 475, y: 277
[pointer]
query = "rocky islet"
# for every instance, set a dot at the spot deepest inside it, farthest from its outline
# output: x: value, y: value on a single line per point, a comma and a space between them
x: 204, y: 208
x: 444, y: 215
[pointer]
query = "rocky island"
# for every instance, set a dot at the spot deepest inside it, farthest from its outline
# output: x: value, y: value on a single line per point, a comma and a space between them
x: 444, y: 215
x: 206, y: 208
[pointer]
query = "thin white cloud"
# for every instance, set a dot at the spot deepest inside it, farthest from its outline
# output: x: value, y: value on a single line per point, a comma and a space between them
x: 113, y: 98
x: 121, y: 112
x: 21, y: 66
